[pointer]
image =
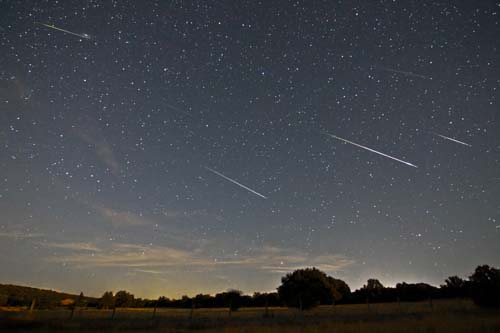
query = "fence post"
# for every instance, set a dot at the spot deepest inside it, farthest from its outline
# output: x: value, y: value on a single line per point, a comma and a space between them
x: 32, y: 307
x: 191, y: 312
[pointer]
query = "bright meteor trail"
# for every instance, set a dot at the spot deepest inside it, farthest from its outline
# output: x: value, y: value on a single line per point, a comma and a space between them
x: 454, y: 140
x: 235, y: 182
x: 86, y: 36
x: 406, y: 73
x: 369, y: 149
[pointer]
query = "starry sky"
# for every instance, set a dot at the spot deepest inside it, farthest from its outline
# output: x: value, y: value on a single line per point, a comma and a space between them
x: 177, y: 147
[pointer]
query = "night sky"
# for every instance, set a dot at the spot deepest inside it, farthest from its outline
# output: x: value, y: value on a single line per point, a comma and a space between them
x: 178, y: 147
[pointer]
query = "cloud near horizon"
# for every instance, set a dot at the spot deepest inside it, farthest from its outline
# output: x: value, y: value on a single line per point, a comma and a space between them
x: 72, y: 246
x: 121, y: 218
x: 17, y: 234
x: 157, y: 260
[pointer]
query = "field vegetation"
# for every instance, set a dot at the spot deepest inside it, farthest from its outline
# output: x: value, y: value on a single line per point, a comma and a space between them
x: 458, y: 315
x: 307, y: 300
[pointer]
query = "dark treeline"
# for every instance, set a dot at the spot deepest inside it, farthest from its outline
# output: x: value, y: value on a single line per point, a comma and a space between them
x: 483, y: 286
x: 303, y: 289
x: 12, y: 295
x: 233, y: 299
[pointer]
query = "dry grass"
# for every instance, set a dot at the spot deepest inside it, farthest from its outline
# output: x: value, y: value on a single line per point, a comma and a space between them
x: 421, y: 317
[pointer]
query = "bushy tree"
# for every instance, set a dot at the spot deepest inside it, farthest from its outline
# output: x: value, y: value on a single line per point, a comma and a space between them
x: 202, y: 301
x: 234, y: 298
x: 455, y: 287
x: 163, y: 302
x: 485, y: 283
x: 124, y: 299
x: 107, y: 300
x: 306, y: 288
x: 341, y: 287
x: 373, y: 289
x: 413, y: 292
x: 186, y: 302
x: 265, y: 299
x: 454, y: 282
x: 373, y: 285
x: 231, y: 299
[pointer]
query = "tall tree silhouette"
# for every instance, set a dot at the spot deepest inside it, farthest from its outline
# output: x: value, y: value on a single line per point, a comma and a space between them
x: 306, y: 288
x: 124, y: 299
x: 455, y: 287
x: 107, y: 300
x: 373, y: 289
x: 485, y: 283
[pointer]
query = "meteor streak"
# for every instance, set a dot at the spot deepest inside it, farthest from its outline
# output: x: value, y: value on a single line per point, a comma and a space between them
x: 369, y: 149
x: 406, y: 73
x: 86, y: 36
x: 454, y: 140
x: 235, y: 182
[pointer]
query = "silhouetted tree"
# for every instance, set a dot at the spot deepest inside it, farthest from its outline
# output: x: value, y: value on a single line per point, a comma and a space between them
x: 231, y: 299
x: 265, y: 299
x: 455, y: 287
x: 306, y: 288
x: 412, y: 292
x: 373, y: 290
x: 485, y: 284
x: 186, y: 302
x: 373, y: 284
x: 234, y: 298
x: 79, y: 301
x: 203, y: 301
x: 454, y: 282
x: 341, y: 287
x: 124, y: 299
x: 107, y: 300
x: 163, y: 302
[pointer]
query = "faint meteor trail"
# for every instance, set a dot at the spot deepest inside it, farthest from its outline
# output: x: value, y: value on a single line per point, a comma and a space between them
x: 369, y: 149
x: 86, y: 36
x: 235, y: 182
x: 454, y: 140
x: 406, y: 73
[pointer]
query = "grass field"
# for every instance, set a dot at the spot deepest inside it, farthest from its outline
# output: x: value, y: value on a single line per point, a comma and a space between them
x: 440, y: 316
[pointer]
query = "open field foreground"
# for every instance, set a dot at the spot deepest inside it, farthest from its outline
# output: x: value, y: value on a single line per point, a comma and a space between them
x: 440, y: 316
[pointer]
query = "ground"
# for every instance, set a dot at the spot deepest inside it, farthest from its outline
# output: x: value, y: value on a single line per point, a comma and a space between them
x: 426, y: 317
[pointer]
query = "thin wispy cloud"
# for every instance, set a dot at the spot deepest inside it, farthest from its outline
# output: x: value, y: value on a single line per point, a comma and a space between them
x: 332, y: 263
x: 121, y: 218
x: 72, y: 246
x: 178, y: 214
x: 126, y: 218
x: 283, y: 260
x: 132, y: 256
x: 169, y: 222
x: 104, y: 152
x: 159, y: 260
x: 19, y: 234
